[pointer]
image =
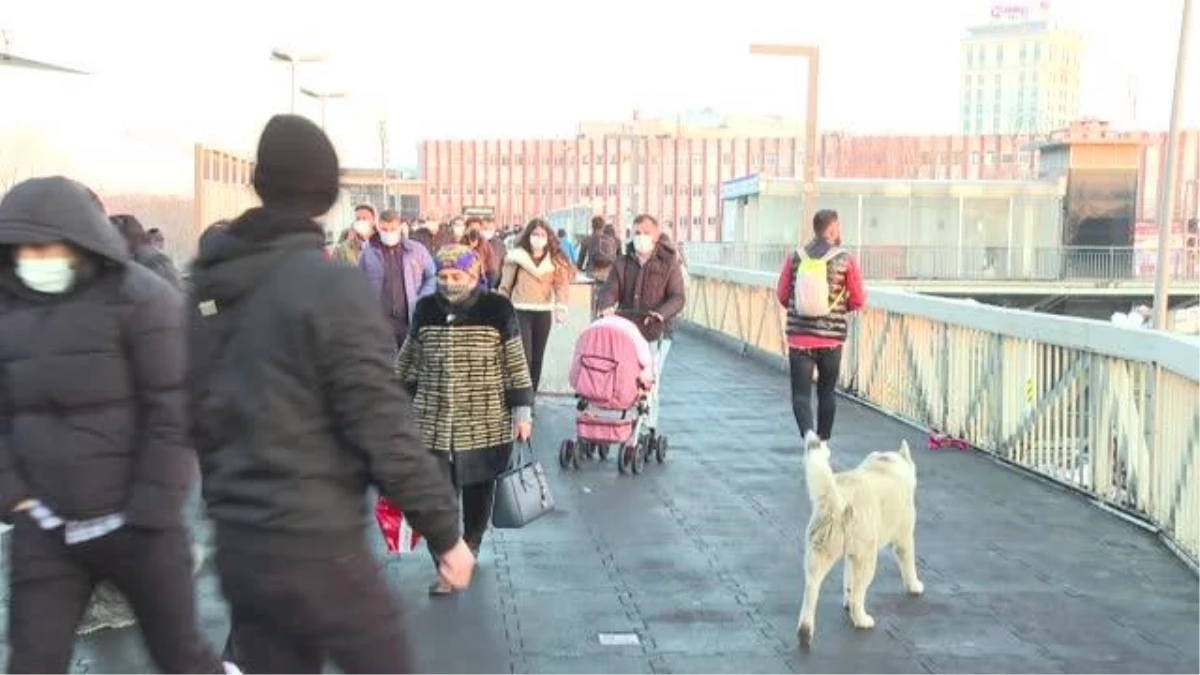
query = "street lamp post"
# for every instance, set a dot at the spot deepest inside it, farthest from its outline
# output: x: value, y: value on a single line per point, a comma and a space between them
x: 7, y: 58
x: 323, y: 97
x: 813, y: 54
x: 292, y: 59
x: 1166, y: 202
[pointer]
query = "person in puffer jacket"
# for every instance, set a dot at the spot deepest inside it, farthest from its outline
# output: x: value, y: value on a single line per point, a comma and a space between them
x: 144, y: 251
x: 94, y: 463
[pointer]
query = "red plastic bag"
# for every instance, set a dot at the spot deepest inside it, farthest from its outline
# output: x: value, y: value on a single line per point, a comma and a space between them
x: 399, y: 536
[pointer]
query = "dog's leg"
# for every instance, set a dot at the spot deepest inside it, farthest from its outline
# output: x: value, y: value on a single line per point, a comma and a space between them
x: 863, y: 560
x: 847, y: 583
x: 906, y: 555
x: 817, y: 564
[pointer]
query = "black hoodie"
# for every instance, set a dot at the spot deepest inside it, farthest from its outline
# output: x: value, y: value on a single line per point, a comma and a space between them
x: 295, y: 406
x: 91, y: 380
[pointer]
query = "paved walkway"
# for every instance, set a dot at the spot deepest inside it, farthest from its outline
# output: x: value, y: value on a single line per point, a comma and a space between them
x: 700, y: 560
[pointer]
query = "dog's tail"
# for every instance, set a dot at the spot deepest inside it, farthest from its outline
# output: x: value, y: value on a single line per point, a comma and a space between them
x: 818, y: 476
x: 904, y: 452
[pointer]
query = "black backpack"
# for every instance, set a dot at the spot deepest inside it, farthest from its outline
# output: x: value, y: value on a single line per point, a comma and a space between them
x: 604, y: 251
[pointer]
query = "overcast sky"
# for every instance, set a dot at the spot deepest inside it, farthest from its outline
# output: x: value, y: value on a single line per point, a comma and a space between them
x: 165, y: 78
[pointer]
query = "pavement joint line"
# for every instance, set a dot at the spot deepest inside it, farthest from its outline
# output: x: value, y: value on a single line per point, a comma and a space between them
x: 728, y: 580
x: 625, y: 595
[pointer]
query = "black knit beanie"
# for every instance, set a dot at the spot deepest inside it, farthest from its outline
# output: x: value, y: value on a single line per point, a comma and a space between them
x: 297, y: 167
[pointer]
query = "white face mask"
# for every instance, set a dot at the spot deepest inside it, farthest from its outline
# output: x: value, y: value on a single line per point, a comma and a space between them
x: 538, y: 243
x: 487, y: 234
x: 391, y: 238
x: 363, y: 228
x: 457, y: 231
x: 643, y: 243
x: 46, y: 275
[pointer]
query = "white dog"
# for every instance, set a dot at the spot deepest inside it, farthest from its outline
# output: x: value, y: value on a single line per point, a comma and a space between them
x: 855, y: 513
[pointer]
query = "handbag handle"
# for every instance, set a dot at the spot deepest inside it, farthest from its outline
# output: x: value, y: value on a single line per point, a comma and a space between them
x: 519, y: 455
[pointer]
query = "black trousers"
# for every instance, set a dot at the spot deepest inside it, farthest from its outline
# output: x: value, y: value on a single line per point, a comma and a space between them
x: 535, y: 331
x: 288, y: 613
x: 476, y: 504
x: 828, y: 362
x: 51, y: 584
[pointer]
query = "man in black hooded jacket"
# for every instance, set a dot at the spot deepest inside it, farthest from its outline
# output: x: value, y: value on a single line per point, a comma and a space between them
x: 295, y: 413
x: 94, y: 463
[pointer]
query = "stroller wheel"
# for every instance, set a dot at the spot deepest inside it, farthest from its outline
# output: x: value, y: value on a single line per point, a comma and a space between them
x: 577, y: 454
x: 639, y: 455
x: 602, y: 450
x: 627, y: 457
x: 589, y: 449
x: 566, y: 453
x: 660, y: 449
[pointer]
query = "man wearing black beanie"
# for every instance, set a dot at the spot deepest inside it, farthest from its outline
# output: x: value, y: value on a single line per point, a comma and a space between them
x: 295, y: 412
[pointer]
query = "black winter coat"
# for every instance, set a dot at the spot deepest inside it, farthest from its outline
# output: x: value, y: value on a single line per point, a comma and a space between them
x: 91, y: 380
x: 295, y: 408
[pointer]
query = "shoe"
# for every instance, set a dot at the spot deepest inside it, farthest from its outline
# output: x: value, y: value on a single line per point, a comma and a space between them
x: 440, y: 588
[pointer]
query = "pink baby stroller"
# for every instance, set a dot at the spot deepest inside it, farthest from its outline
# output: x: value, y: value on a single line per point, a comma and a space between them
x: 612, y: 374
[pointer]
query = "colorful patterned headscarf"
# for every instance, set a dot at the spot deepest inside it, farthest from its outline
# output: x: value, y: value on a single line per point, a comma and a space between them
x: 459, y: 257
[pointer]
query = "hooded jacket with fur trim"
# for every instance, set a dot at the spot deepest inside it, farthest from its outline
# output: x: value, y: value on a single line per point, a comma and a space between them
x: 534, y: 286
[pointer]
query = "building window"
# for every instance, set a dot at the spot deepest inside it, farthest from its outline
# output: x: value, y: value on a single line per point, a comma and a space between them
x: 586, y: 190
x: 668, y: 190
x: 772, y: 159
x: 503, y: 160
x: 727, y: 158
x: 494, y: 191
x: 445, y: 192
x: 697, y: 160
x: 479, y: 191
x: 533, y: 191
x: 587, y: 159
x: 612, y: 159
x: 433, y: 191
x: 712, y: 220
x: 599, y: 159
x: 558, y: 192
x: 697, y: 190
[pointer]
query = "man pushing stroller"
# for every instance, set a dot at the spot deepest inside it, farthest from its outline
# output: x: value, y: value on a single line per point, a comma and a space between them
x: 646, y: 286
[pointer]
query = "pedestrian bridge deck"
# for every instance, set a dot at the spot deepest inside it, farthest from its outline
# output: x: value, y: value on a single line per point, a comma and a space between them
x: 701, y: 560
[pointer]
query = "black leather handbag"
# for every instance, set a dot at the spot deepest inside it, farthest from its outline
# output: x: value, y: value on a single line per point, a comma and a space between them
x: 522, y: 492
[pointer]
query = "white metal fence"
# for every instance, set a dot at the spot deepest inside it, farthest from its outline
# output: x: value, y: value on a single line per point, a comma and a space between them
x: 1109, y: 410
x: 1062, y: 263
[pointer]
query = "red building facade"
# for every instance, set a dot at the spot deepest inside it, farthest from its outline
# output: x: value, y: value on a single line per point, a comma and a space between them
x: 678, y: 178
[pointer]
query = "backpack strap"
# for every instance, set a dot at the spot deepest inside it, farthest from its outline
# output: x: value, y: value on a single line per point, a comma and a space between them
x: 831, y: 253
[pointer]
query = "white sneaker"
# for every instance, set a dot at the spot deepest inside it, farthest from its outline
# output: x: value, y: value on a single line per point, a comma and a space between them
x: 231, y: 669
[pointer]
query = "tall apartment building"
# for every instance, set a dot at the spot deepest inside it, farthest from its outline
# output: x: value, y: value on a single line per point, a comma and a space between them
x: 1020, y: 72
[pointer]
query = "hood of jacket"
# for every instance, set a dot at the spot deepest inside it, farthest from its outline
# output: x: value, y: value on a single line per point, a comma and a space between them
x: 234, y: 260
x: 47, y: 210
x: 521, y: 258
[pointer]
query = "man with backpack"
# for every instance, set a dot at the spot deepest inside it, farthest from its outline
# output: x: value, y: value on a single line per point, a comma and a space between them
x: 597, y: 253
x: 820, y: 284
